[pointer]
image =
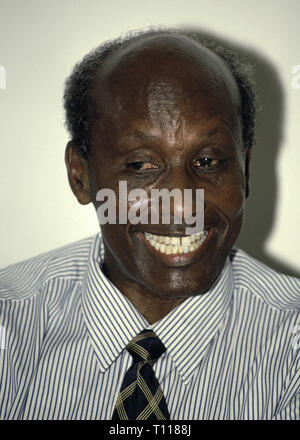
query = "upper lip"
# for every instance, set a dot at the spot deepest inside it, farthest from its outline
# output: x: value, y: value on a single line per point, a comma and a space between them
x: 168, y: 233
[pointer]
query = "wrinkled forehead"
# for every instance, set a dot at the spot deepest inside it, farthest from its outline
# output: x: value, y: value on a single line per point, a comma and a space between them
x: 165, y: 76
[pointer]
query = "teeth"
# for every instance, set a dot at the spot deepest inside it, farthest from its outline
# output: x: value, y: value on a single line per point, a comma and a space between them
x: 176, y: 245
x: 175, y: 241
x: 186, y: 241
x: 174, y: 249
x: 169, y: 249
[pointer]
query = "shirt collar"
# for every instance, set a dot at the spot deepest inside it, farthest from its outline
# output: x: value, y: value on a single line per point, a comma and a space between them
x: 112, y: 320
x: 188, y: 330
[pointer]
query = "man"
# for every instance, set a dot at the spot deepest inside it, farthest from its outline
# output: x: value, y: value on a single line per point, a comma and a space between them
x: 158, y: 110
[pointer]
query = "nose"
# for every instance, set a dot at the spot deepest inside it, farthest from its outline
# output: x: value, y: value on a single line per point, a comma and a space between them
x: 184, y: 200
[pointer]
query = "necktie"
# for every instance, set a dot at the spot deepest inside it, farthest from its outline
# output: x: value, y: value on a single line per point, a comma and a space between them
x: 141, y: 396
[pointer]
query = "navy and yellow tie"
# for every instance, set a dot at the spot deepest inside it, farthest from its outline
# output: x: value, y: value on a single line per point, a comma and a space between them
x: 141, y: 396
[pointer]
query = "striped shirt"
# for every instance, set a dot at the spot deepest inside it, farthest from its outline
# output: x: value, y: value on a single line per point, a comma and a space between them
x: 232, y: 353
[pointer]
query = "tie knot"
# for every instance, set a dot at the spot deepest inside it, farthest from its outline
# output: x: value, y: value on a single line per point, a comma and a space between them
x: 146, y: 346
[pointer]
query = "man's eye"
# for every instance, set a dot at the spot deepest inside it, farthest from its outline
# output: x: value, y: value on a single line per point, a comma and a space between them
x: 205, y: 162
x: 140, y: 166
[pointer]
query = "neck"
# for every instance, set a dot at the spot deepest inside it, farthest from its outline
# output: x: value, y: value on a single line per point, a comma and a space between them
x: 152, y: 306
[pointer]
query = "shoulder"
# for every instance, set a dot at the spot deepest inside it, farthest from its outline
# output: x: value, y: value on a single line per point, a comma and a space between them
x: 276, y: 289
x: 23, y: 280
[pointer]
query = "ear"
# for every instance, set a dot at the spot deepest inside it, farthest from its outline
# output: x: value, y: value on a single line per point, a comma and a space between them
x: 249, y: 154
x: 77, y: 174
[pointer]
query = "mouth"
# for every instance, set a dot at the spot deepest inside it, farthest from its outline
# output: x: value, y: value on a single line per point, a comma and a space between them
x: 178, y: 250
x: 170, y: 245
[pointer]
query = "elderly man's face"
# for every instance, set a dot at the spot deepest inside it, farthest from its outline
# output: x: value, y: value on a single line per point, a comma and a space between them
x: 169, y: 119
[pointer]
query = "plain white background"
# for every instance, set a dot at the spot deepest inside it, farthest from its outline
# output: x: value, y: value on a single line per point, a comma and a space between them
x: 41, y: 40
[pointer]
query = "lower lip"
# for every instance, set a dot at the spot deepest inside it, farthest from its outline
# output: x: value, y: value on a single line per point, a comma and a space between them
x: 179, y: 259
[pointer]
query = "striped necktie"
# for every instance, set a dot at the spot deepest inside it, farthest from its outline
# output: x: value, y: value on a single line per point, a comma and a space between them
x: 141, y: 396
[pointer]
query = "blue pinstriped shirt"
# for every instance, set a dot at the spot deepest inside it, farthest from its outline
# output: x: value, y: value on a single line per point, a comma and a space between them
x: 232, y: 353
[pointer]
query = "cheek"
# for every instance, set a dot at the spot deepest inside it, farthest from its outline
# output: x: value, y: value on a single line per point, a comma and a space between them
x: 229, y: 194
x: 233, y: 200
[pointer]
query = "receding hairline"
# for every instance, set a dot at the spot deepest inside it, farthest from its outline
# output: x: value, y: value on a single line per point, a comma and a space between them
x: 80, y: 108
x: 192, y: 50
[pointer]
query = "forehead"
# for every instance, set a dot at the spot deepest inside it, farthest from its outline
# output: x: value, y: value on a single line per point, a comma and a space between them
x: 164, y: 78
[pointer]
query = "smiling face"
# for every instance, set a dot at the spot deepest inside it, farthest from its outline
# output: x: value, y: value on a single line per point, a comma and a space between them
x: 169, y: 119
